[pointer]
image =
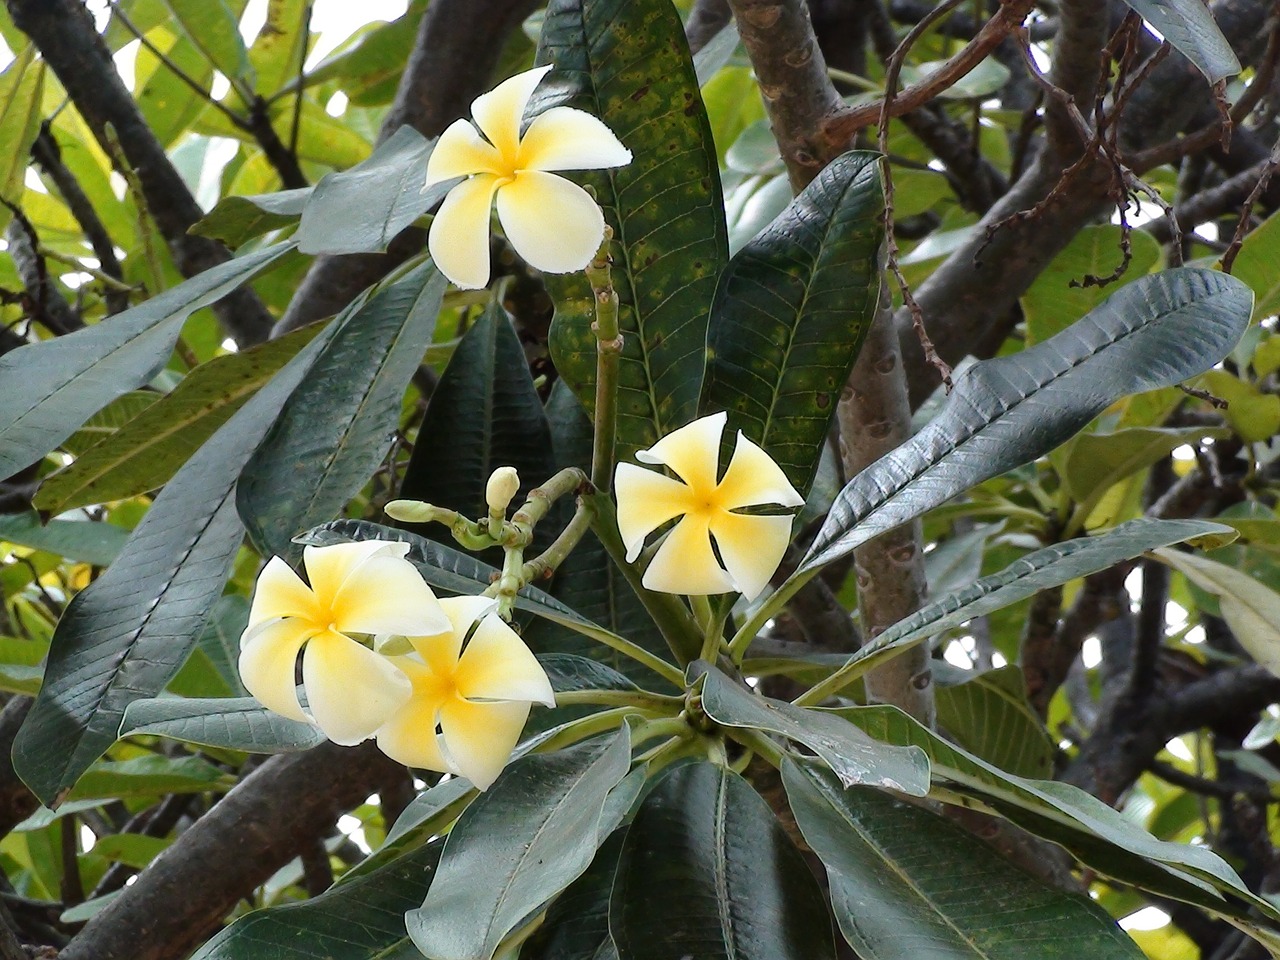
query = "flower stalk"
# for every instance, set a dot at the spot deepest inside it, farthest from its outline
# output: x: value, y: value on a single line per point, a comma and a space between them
x: 608, y: 351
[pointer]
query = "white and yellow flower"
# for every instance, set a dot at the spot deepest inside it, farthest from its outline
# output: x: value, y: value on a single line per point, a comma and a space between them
x: 470, y: 701
x: 551, y: 222
x: 751, y: 545
x: 356, y: 588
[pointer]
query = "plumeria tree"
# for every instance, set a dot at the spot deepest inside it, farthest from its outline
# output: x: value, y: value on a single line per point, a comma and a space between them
x: 547, y: 490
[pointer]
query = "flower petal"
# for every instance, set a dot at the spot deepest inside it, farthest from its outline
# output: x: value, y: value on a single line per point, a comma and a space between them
x: 351, y: 690
x: 552, y: 223
x: 268, y: 656
x: 693, y: 452
x: 646, y: 500
x: 751, y: 548
x: 498, y: 113
x: 387, y: 594
x: 754, y: 478
x: 563, y: 138
x: 329, y: 567
x: 496, y: 665
x: 281, y: 593
x: 685, y: 564
x: 440, y: 651
x: 479, y: 737
x: 410, y: 737
x: 460, y: 152
x: 459, y: 237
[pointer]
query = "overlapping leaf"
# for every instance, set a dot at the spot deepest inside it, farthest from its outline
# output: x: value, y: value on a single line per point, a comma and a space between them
x: 231, y: 723
x: 1189, y: 27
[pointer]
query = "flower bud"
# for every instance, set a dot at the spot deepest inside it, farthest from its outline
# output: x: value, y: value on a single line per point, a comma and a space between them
x: 502, y: 486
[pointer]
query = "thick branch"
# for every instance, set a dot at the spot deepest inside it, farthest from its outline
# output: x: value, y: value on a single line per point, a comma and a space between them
x: 64, y: 32
x: 44, y: 301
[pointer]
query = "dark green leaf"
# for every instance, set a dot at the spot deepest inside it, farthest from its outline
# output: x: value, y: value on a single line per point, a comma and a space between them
x: 150, y: 776
x: 337, y: 425
x: 361, y: 210
x: 577, y: 923
x: 233, y: 723
x: 48, y: 389
x: 126, y: 635
x: 628, y: 64
x: 145, y: 452
x: 989, y: 716
x: 850, y: 753
x: 707, y: 872
x: 237, y: 219
x: 1189, y: 26
x: 90, y: 542
x: 908, y: 885
x: 532, y: 834
x: 361, y: 918
x: 1004, y: 412
x: 791, y: 311
x: 568, y: 672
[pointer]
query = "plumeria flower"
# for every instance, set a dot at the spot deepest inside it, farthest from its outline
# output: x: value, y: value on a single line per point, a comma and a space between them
x: 361, y: 588
x: 469, y: 701
x: 552, y: 223
x: 750, y: 545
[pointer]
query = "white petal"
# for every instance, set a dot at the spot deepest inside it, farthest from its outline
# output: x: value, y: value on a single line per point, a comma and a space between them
x: 563, y: 138
x: 268, y: 657
x: 281, y: 593
x: 646, y: 500
x: 351, y: 690
x: 386, y: 594
x: 410, y: 737
x: 460, y: 152
x: 498, y: 113
x: 552, y: 223
x: 751, y: 548
x: 479, y: 737
x: 754, y: 478
x: 693, y: 452
x: 329, y: 567
x: 464, y: 611
x: 685, y: 564
x: 496, y: 665
x: 459, y: 237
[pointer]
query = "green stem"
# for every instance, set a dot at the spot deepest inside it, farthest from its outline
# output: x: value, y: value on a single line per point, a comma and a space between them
x: 588, y: 726
x: 757, y: 743
x: 608, y: 352
x: 767, y: 610
x: 510, y: 582
x: 624, y: 646
x: 830, y: 686
x: 640, y: 699
x: 468, y: 533
x: 550, y: 559
x: 520, y: 530
x: 662, y: 727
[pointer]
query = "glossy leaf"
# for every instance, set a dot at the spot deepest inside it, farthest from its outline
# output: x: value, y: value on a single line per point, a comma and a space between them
x: 852, y: 755
x: 92, y: 542
x: 989, y: 716
x: 125, y: 636
x: 629, y: 65
x: 518, y: 845
x: 577, y: 922
x: 231, y: 723
x: 1095, y: 461
x: 146, y: 451
x: 707, y: 871
x: 791, y: 311
x: 338, y: 424
x: 361, y: 210
x: 903, y: 882
x: 21, y: 90
x: 1189, y: 26
x: 48, y: 389
x: 149, y: 776
x: 358, y: 918
x: 1004, y: 412
x: 237, y: 219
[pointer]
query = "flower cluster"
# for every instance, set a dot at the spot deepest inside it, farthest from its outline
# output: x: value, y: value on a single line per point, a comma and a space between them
x: 456, y: 698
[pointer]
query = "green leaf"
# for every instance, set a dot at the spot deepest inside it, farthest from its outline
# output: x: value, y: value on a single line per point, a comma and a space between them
x: 1004, y: 412
x: 990, y: 717
x: 358, y: 918
x: 48, y: 389
x: 168, y: 103
x: 125, y: 636
x: 1252, y: 414
x: 629, y: 65
x: 338, y: 424
x: 577, y: 922
x: 1045, y: 568
x: 483, y: 414
x: 569, y: 672
x: 109, y: 419
x: 150, y: 776
x: 1095, y: 461
x: 237, y: 219
x: 145, y: 452
x: 903, y: 884
x: 707, y: 871
x: 791, y: 311
x: 851, y: 754
x: 280, y: 47
x: 232, y: 723
x: 1190, y: 28
x: 88, y: 541
x: 1058, y: 296
x: 362, y: 209
x: 1256, y: 266
x: 21, y: 99
x: 988, y: 77
x: 1251, y: 610
x: 518, y: 845
x: 215, y: 31
x: 136, y: 850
